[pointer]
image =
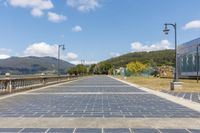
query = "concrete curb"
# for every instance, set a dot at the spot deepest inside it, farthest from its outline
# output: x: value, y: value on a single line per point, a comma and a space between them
x: 172, y: 123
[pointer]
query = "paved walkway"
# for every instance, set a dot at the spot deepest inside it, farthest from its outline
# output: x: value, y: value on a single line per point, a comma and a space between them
x: 192, y: 96
x: 98, y: 104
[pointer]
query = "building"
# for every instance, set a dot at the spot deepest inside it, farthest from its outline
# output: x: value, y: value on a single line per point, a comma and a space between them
x: 188, y: 58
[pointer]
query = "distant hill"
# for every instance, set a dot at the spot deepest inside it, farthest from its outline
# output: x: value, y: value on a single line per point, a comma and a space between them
x: 32, y: 65
x: 157, y: 58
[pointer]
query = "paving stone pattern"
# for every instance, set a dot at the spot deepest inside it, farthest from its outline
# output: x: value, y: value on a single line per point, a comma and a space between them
x: 43, y: 104
x: 96, y: 130
x: 192, y: 96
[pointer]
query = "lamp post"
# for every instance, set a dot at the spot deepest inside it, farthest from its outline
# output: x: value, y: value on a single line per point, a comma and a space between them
x: 82, y: 62
x: 63, y: 48
x: 197, y: 63
x: 166, y: 31
x: 175, y: 83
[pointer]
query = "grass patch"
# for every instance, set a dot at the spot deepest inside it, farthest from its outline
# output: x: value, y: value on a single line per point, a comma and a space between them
x: 162, y: 83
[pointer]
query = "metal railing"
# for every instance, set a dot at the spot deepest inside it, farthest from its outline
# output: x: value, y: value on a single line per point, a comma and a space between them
x: 9, y: 84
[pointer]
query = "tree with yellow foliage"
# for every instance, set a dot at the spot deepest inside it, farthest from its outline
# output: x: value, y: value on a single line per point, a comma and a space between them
x: 136, y: 67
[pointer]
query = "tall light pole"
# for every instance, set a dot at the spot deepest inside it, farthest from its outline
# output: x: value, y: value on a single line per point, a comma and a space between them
x: 175, y: 84
x: 197, y: 63
x: 83, y: 62
x: 166, y: 31
x: 63, y: 48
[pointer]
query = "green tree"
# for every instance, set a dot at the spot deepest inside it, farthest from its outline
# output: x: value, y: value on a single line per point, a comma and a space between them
x: 79, y: 69
x: 104, y: 68
x: 92, y: 69
x: 136, y: 67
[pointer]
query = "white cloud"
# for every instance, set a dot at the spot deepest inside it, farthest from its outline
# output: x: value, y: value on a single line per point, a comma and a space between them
x: 77, y: 29
x: 37, y: 12
x: 56, y: 18
x: 72, y: 56
x: 41, y: 49
x: 138, y: 46
x: 113, y: 54
x: 192, y: 25
x: 5, y: 53
x: 84, y: 5
x: 3, y: 56
x: 37, y: 6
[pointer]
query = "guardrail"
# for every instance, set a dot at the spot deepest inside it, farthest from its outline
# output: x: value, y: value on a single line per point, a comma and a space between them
x: 9, y: 84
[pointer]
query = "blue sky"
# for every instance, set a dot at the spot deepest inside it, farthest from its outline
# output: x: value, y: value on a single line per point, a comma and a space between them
x: 93, y: 30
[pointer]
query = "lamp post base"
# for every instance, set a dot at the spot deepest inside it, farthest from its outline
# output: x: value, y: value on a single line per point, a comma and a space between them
x: 175, y: 85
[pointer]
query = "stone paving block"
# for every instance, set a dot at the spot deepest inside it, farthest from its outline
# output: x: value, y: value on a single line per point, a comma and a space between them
x: 9, y: 130
x: 116, y: 130
x: 88, y: 130
x: 34, y: 130
x: 194, y: 130
x: 187, y: 96
x: 174, y: 131
x: 145, y: 130
x: 195, y: 97
x: 61, y: 130
x: 180, y: 94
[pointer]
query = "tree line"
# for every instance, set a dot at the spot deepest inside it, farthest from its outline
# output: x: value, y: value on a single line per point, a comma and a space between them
x: 101, y: 68
x: 133, y: 63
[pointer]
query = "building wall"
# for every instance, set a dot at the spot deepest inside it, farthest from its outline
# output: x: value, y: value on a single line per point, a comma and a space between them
x: 187, y: 58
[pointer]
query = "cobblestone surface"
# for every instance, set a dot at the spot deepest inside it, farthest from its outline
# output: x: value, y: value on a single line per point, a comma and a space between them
x: 43, y: 104
x: 92, y: 106
x: 192, y: 96
x: 94, y: 97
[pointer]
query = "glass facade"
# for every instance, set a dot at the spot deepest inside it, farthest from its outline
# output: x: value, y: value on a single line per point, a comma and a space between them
x: 188, y: 58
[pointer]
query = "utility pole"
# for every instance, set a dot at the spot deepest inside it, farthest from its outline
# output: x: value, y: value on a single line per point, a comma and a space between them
x: 63, y: 48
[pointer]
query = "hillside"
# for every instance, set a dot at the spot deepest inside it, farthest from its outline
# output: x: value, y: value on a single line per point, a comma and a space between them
x: 155, y: 58
x: 32, y: 65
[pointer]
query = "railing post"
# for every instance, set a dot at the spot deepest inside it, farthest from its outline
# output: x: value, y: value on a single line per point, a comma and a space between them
x: 8, y: 83
x: 43, y: 79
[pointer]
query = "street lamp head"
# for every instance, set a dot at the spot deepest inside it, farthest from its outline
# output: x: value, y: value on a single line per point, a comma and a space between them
x: 63, y: 48
x: 166, y: 30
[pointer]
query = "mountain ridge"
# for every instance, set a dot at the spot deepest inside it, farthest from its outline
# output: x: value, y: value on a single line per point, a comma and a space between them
x: 157, y: 58
x: 32, y: 65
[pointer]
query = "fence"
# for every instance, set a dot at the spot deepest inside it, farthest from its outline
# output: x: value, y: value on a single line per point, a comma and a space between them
x: 8, y: 84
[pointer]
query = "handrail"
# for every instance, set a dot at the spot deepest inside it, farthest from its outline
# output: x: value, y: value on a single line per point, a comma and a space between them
x: 10, y: 84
